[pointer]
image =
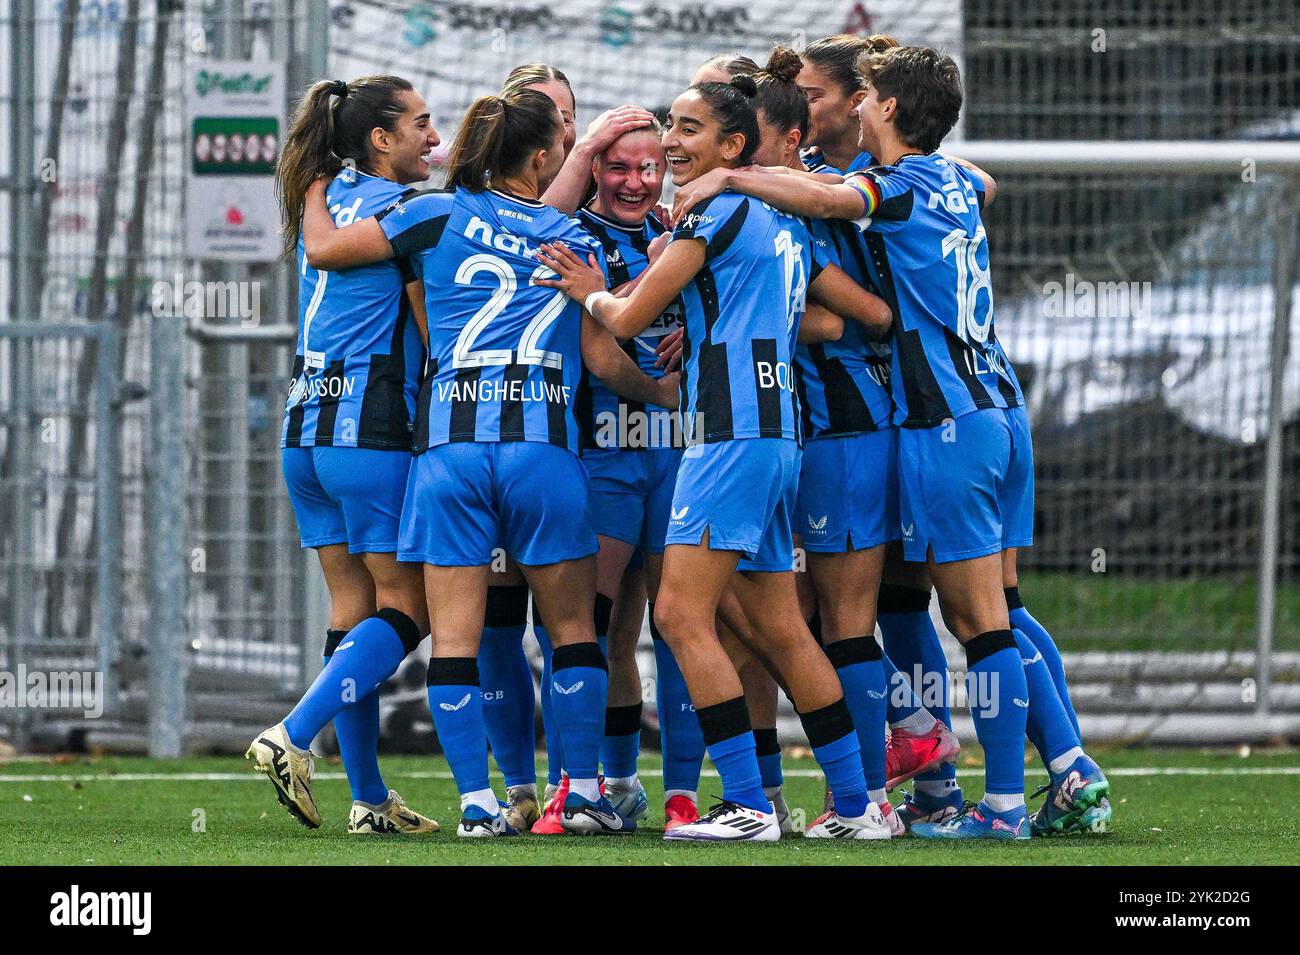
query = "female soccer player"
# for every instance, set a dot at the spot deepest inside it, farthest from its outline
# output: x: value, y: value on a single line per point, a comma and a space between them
x: 743, y: 270
x: 496, y: 443
x: 834, y: 84
x: 347, y: 432
x: 847, y: 508
x: 965, y: 462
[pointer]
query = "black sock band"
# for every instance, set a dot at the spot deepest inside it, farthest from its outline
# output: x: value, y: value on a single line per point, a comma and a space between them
x: 622, y: 720
x: 1013, y: 598
x: 601, y: 614
x: 453, y: 671
x: 766, y: 742
x: 332, y: 640
x: 815, y: 626
x: 655, y: 634
x: 506, y: 606
x: 986, y: 644
x: 578, y: 655
x: 406, y: 629
x: 845, y: 653
x: 896, y: 599
x: 723, y: 720
x: 827, y: 724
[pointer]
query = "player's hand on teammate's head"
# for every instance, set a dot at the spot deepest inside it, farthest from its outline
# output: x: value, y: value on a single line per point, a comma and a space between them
x: 698, y: 190
x: 668, y: 353
x: 574, y: 277
x: 613, y: 123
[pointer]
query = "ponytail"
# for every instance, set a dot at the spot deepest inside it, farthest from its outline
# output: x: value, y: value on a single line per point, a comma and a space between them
x: 779, y: 98
x: 330, y: 128
x: 498, y: 135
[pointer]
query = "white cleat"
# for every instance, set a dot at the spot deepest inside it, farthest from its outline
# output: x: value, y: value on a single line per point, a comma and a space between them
x: 728, y: 822
x: 870, y: 825
x: 289, y: 769
x: 782, y: 809
x: 477, y: 823
x: 630, y: 802
x: 390, y: 816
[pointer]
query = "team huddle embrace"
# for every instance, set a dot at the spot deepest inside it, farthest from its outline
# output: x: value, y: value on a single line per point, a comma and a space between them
x: 654, y: 408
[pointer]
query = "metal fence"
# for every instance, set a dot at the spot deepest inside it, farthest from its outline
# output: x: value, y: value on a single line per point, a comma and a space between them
x: 145, y: 531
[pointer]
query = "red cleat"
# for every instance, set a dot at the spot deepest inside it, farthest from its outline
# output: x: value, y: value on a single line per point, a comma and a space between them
x: 678, y: 811
x: 549, y: 824
x: 908, y: 755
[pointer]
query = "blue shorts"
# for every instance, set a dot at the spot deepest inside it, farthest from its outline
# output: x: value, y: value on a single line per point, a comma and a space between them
x: 966, y: 487
x: 848, y: 492
x: 347, y: 496
x: 743, y: 493
x: 631, y: 494
x: 465, y: 498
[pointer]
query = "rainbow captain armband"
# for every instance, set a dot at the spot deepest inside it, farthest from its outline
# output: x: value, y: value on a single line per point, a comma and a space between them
x: 870, y: 190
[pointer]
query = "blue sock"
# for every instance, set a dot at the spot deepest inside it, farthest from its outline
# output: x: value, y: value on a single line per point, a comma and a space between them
x: 768, y: 749
x: 507, y: 680
x: 860, y: 665
x: 372, y: 652
x: 357, y: 729
x: 1023, y: 620
x: 456, y: 702
x: 622, y: 743
x: 730, y: 744
x: 1046, y: 724
x: 834, y: 744
x: 554, y: 750
x: 902, y: 701
x: 999, y: 705
x: 911, y: 642
x: 680, y: 738
x: 579, y: 688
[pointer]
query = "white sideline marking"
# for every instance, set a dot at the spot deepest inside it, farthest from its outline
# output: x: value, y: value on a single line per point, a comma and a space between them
x: 251, y: 776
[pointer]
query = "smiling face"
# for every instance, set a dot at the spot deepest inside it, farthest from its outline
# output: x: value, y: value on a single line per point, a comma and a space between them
x: 408, y: 148
x: 629, y: 177
x: 873, y: 117
x: 563, y: 99
x: 829, y: 107
x: 693, y: 139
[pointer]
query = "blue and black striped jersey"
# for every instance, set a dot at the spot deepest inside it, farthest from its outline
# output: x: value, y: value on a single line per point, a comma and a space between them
x: 814, y: 160
x: 844, y: 384
x: 606, y: 419
x: 927, y: 251
x: 504, y: 353
x: 742, y: 315
x: 356, y: 370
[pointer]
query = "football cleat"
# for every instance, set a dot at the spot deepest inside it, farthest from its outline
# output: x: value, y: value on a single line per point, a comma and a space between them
x: 781, y: 808
x: 583, y: 817
x: 908, y: 754
x: 289, y: 769
x: 477, y: 823
x: 549, y: 823
x: 678, y: 811
x: 390, y: 816
x: 521, y: 807
x: 892, y: 820
x: 977, y: 822
x: 870, y: 825
x: 1074, y: 801
x: 630, y: 803
x: 728, y: 822
x: 923, y: 808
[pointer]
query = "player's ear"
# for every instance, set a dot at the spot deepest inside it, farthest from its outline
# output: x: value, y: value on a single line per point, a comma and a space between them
x: 733, y: 146
x: 856, y: 99
x: 380, y: 140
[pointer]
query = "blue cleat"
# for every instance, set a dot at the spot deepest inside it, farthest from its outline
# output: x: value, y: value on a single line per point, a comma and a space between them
x: 977, y: 822
x: 585, y: 818
x: 477, y: 823
x: 918, y: 807
x: 1076, y: 801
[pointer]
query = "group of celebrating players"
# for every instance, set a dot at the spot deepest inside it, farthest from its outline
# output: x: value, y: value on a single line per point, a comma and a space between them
x: 640, y: 405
